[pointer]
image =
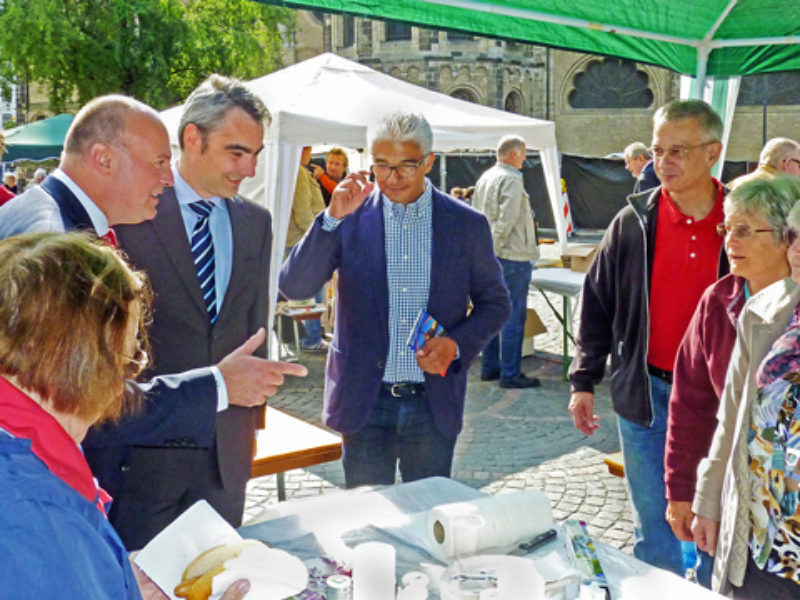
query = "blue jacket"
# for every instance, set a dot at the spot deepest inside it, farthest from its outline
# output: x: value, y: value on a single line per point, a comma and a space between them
x: 463, y: 270
x: 53, y: 543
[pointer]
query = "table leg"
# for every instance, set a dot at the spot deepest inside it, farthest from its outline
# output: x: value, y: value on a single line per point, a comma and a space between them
x: 564, y: 326
x: 281, y: 486
x: 296, y: 336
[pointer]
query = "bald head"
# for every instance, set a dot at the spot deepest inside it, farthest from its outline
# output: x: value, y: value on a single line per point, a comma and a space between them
x: 117, y: 151
x: 103, y: 120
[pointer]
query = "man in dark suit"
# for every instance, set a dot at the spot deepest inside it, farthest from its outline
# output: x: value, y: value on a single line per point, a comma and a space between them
x: 201, y: 312
x: 114, y: 166
x: 399, y: 246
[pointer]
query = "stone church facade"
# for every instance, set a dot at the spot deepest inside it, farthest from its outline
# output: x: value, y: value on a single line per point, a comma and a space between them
x: 599, y: 104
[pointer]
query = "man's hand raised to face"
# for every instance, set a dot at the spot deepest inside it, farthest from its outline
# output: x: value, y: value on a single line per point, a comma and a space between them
x: 350, y: 194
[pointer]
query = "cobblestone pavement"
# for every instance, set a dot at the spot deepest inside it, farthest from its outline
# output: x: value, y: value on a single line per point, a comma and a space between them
x: 512, y: 439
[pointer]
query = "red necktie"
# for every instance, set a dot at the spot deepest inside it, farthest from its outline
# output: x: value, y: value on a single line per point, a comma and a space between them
x: 110, y: 238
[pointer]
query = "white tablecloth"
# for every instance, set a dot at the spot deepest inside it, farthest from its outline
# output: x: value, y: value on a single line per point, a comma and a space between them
x: 331, y: 524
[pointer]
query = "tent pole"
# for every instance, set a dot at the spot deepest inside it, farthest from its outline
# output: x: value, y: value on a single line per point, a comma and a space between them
x: 702, y: 66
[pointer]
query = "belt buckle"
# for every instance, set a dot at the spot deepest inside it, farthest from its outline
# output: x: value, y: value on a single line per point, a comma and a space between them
x: 395, y: 389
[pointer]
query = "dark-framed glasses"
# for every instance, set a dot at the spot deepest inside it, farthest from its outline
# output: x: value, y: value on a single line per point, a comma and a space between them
x: 790, y: 235
x: 406, y: 169
x: 675, y: 151
x: 739, y: 230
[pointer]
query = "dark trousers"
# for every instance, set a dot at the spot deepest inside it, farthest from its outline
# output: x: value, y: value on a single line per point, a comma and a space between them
x: 400, y: 430
x: 503, y: 353
x: 761, y: 585
x: 151, y: 487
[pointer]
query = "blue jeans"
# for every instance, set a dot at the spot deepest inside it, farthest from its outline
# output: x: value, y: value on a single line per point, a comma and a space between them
x: 504, y: 351
x: 399, y: 429
x: 643, y: 454
x: 313, y: 328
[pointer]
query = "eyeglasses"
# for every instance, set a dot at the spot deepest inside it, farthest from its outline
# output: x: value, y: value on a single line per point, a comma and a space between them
x: 739, y: 231
x: 790, y: 235
x: 407, y: 169
x: 675, y: 152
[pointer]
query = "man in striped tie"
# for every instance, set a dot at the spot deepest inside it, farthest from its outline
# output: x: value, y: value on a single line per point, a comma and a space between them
x: 207, y: 254
x: 115, y: 164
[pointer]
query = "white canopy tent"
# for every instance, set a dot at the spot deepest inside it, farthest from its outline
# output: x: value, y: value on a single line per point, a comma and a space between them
x: 331, y: 100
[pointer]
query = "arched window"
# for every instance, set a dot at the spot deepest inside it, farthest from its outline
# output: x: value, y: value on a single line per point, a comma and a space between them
x: 514, y: 102
x: 611, y: 83
x: 770, y: 88
x: 464, y: 94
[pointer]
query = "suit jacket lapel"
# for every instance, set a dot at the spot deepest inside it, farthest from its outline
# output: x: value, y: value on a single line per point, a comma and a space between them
x: 372, y: 243
x: 171, y: 232
x: 441, y: 246
x: 238, y: 275
x: 73, y: 214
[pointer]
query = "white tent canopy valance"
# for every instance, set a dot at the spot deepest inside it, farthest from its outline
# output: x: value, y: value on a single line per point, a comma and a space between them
x: 331, y: 100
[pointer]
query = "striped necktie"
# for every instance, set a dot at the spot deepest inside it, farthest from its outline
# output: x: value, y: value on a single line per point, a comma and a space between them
x: 203, y: 255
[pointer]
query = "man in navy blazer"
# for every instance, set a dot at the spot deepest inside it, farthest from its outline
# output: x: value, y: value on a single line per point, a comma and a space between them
x: 399, y: 246
x: 115, y: 165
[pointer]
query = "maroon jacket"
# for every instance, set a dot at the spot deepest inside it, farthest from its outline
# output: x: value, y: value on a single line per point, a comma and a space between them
x: 698, y: 379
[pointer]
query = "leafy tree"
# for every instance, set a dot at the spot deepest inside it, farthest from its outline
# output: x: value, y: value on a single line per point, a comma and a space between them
x: 154, y: 50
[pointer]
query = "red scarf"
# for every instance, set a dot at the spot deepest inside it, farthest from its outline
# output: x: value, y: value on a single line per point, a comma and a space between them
x: 23, y: 418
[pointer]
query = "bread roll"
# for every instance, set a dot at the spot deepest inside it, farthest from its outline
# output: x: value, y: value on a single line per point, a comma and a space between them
x: 198, y: 575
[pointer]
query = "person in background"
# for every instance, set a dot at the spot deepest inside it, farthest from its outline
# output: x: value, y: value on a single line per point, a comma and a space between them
x: 10, y: 182
x: 306, y: 205
x: 469, y: 194
x: 400, y: 246
x: 72, y: 316
x: 38, y: 176
x: 779, y: 155
x: 636, y: 157
x: 500, y: 195
x: 746, y: 499
x: 755, y: 213
x: 457, y: 192
x: 640, y: 164
x: 633, y: 309
x: 335, y: 170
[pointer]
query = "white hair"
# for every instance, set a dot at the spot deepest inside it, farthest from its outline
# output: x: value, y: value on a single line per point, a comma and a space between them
x: 402, y: 127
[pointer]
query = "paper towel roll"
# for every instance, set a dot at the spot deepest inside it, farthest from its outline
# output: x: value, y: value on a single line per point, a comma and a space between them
x: 493, y: 524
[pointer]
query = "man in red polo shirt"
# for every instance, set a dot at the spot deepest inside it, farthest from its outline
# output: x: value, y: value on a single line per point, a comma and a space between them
x: 656, y: 258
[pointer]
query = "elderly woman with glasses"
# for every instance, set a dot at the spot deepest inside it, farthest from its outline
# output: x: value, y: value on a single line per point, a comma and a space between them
x: 754, y: 217
x: 747, y: 488
x: 71, y: 330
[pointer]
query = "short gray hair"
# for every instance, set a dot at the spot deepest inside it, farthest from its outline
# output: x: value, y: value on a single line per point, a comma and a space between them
x: 777, y: 150
x: 509, y: 143
x: 635, y: 150
x: 102, y: 120
x: 207, y: 105
x: 709, y: 120
x: 402, y: 127
x: 770, y: 198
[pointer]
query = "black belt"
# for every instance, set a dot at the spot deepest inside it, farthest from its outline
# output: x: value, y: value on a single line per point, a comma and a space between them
x: 398, y: 390
x: 660, y: 373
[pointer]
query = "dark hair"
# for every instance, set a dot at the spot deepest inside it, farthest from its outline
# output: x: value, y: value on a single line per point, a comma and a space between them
x: 208, y: 104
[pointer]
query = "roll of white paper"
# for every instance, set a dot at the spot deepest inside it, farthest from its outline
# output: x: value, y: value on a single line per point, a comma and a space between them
x: 373, y: 571
x: 494, y: 524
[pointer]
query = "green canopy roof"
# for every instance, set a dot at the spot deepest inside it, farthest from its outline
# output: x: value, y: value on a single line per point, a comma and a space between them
x: 695, y: 37
x: 38, y: 140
